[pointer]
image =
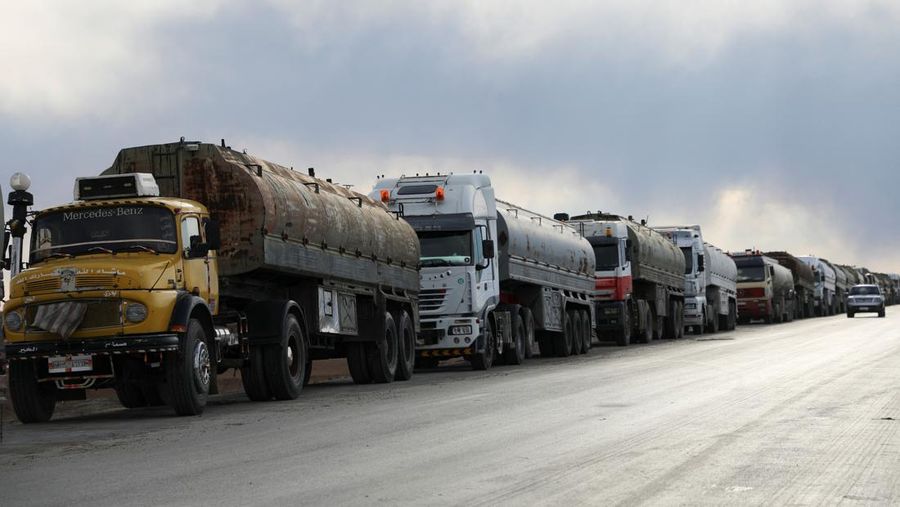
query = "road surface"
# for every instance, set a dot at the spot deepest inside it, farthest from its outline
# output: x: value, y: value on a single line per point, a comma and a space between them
x: 802, y: 413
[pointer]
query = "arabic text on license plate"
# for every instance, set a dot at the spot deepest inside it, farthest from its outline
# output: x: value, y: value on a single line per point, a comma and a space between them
x: 69, y: 364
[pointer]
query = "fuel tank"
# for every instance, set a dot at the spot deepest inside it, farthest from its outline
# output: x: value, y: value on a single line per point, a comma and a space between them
x: 803, y: 274
x: 278, y: 220
x: 530, y: 243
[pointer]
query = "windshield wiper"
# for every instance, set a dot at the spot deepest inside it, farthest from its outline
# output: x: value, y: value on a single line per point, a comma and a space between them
x: 100, y: 249
x: 139, y: 247
x: 58, y: 255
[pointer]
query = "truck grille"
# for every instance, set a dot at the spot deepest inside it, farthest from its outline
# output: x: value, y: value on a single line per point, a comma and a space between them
x: 42, y: 285
x: 431, y: 299
x: 99, y: 313
x: 81, y: 282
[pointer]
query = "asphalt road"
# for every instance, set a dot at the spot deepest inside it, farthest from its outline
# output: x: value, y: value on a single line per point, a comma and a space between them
x: 801, y: 413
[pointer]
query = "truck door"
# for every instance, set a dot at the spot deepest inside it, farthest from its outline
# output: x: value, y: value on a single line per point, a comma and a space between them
x: 485, y: 279
x: 196, y: 260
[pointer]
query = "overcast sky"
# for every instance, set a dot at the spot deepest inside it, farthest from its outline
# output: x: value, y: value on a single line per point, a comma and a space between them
x: 774, y: 124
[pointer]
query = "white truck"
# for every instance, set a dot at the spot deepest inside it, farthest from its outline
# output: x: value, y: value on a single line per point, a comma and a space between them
x: 710, y: 285
x: 825, y: 300
x: 494, y: 277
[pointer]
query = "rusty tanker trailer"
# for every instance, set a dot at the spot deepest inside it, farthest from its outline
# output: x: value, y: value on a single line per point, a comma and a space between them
x: 804, y: 284
x: 187, y: 259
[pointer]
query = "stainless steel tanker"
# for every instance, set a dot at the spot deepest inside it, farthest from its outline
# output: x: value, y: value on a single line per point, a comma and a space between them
x: 640, y: 278
x: 804, y: 283
x: 481, y: 304
x: 765, y: 288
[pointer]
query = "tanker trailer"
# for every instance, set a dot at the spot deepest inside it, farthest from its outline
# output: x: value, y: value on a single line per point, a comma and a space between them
x: 495, y: 277
x: 825, y: 295
x: 710, y: 291
x: 765, y: 288
x: 804, y: 284
x: 841, y: 287
x: 640, y: 279
x: 185, y: 259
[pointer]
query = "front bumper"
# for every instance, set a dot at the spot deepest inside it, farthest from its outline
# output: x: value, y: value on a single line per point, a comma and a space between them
x: 435, y: 333
x: 865, y: 307
x: 754, y: 308
x: 693, y: 311
x: 118, y: 345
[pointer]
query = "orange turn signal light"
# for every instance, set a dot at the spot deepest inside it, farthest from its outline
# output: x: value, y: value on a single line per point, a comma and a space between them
x: 439, y: 193
x: 385, y: 195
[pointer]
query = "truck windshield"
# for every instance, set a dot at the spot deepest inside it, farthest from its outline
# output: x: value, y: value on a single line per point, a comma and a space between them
x: 446, y: 248
x: 688, y: 260
x: 751, y: 274
x: 103, y: 229
x: 607, y: 256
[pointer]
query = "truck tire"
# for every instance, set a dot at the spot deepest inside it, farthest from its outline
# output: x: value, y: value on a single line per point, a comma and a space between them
x: 528, y: 321
x: 577, y: 336
x: 669, y: 325
x: 253, y: 376
x: 623, y: 334
x: 546, y: 341
x: 383, y: 357
x: 586, y: 331
x: 32, y: 401
x: 516, y: 355
x: 645, y: 330
x: 679, y: 327
x: 188, y: 371
x: 563, y: 342
x: 484, y: 359
x: 308, y: 372
x: 406, y: 361
x: 358, y: 363
x: 285, y: 362
x: 881, y: 313
x: 712, y: 322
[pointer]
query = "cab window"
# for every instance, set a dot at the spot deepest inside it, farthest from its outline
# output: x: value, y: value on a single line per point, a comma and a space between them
x: 190, y: 234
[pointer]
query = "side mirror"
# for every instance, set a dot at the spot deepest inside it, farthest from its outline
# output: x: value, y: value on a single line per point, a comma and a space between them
x: 487, y: 247
x: 701, y: 266
x: 197, y: 249
x: 213, y: 234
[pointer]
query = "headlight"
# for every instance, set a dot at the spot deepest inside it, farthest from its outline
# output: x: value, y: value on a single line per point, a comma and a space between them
x: 460, y: 330
x: 13, y: 320
x: 135, y: 312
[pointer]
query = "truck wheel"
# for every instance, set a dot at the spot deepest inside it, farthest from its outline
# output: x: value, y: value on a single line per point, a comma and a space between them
x: 623, y: 334
x: 881, y: 313
x: 32, y: 401
x: 128, y: 383
x: 285, y: 362
x: 563, y: 343
x: 406, y: 362
x: 528, y: 321
x: 679, y: 326
x: 546, y: 343
x: 586, y: 331
x: 516, y: 355
x: 253, y: 376
x: 358, y: 363
x: 577, y: 336
x: 732, y: 316
x: 188, y: 371
x: 484, y: 359
x: 645, y: 334
x: 383, y: 359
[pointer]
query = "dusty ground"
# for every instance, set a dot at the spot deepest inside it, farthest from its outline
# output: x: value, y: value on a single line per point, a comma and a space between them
x: 802, y: 414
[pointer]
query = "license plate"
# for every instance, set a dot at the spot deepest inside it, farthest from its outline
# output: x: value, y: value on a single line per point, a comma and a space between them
x: 863, y: 308
x: 70, y: 364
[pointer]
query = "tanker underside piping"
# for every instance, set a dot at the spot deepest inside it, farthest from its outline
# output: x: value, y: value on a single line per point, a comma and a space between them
x: 314, y: 261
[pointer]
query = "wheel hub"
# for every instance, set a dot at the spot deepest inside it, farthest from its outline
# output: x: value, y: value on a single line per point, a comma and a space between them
x: 201, y: 367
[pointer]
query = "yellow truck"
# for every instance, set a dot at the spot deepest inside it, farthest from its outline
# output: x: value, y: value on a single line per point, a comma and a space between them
x: 183, y: 260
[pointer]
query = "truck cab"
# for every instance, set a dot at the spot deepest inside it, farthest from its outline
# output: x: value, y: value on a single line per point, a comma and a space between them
x: 455, y: 217
x: 764, y: 288
x: 112, y: 278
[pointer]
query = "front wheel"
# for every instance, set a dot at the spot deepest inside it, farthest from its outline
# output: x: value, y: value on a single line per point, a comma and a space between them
x: 32, y: 401
x: 286, y: 362
x: 188, y: 372
x: 407, y: 336
x: 383, y: 356
x: 484, y: 359
x: 516, y: 355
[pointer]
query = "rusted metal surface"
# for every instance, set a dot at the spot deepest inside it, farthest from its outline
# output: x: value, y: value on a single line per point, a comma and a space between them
x: 276, y: 219
x: 803, y: 274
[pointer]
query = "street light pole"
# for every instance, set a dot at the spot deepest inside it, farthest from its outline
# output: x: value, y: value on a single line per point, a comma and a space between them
x: 20, y: 199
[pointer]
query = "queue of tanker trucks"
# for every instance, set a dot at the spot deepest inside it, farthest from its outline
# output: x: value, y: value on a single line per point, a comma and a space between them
x: 186, y: 259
